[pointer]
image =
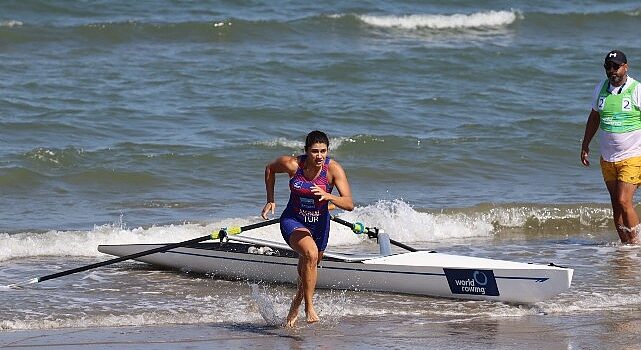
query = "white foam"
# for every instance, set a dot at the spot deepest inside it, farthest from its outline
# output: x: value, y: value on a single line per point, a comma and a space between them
x: 132, y: 319
x: 10, y: 24
x: 85, y: 243
x: 297, y: 145
x: 261, y: 304
x: 403, y: 223
x: 518, y: 216
x: 396, y: 217
x: 416, y: 21
x: 283, y: 142
x: 593, y: 301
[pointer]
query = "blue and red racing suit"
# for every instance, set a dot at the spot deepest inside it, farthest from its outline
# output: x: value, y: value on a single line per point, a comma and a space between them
x: 304, y: 208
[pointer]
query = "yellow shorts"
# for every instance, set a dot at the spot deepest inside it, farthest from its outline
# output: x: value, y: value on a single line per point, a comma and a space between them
x: 627, y: 170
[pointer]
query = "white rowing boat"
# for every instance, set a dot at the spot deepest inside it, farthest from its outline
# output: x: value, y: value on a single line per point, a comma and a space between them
x: 418, y: 272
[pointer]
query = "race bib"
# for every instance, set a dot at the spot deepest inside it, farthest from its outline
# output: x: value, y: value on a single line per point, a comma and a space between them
x: 626, y: 104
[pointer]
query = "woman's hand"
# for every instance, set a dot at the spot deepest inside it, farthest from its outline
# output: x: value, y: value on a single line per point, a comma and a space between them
x: 269, y: 206
x: 324, y: 196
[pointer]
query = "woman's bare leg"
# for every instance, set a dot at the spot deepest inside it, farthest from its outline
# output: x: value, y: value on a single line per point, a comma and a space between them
x: 303, y: 243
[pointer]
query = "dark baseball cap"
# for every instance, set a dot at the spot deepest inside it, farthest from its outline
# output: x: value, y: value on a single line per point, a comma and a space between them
x: 616, y: 56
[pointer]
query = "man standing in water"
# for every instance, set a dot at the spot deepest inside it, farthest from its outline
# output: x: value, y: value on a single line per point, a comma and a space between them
x: 616, y: 110
x: 304, y: 223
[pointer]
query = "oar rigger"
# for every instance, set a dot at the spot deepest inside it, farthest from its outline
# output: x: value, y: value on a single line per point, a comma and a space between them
x: 371, y: 232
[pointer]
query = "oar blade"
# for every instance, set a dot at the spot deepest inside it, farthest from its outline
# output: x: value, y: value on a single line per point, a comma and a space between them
x: 20, y: 285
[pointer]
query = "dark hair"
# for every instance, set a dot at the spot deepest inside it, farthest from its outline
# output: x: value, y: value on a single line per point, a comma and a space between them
x: 316, y: 137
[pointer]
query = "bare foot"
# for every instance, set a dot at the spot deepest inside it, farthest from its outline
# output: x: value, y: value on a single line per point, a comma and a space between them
x: 291, y: 321
x: 312, y: 317
x: 292, y: 316
x: 629, y: 235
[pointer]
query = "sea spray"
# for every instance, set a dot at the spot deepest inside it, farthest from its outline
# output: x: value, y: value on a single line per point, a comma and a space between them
x: 269, y: 306
x: 331, y: 304
x: 404, y: 223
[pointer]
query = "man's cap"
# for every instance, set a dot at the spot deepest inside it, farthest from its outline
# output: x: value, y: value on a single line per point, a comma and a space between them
x: 616, y: 56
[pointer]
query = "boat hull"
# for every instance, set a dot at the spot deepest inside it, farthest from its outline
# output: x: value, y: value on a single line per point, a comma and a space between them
x: 419, y: 273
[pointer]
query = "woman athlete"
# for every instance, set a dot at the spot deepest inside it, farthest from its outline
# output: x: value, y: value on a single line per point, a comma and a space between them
x: 305, y: 222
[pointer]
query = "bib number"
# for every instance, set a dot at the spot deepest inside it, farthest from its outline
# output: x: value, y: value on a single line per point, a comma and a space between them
x: 626, y: 104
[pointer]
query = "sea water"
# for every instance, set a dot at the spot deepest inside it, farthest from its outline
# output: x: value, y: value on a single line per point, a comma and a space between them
x: 458, y: 124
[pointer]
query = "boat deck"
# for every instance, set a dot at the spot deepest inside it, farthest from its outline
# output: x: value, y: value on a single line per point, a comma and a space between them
x: 283, y: 251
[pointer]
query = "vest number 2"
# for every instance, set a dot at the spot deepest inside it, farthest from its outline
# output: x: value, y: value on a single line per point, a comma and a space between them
x: 626, y: 104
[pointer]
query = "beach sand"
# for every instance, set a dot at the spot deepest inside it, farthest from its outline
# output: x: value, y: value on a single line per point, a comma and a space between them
x: 537, y: 332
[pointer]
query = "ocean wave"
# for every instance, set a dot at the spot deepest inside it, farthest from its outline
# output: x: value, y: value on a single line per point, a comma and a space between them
x: 396, y: 217
x: 234, y: 29
x: 565, y: 218
x: 238, y: 29
x: 19, y: 177
x: 122, y: 166
x: 298, y: 146
x: 224, y: 27
x: 55, y: 157
x: 11, y: 24
x: 433, y: 21
x: 85, y: 243
x: 404, y: 222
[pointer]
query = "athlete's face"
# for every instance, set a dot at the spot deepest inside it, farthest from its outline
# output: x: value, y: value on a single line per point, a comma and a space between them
x: 616, y: 72
x: 317, y: 152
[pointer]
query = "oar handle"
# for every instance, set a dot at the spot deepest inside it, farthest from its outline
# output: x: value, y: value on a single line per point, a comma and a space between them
x: 354, y: 227
x: 213, y: 235
x: 235, y: 230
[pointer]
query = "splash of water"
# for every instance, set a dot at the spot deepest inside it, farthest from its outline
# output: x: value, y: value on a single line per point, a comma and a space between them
x: 265, y: 304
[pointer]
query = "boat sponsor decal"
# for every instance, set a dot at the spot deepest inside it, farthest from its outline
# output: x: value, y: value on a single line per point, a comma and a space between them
x: 469, y: 281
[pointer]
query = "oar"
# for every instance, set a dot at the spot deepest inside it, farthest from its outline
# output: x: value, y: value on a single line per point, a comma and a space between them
x: 213, y: 235
x: 371, y: 233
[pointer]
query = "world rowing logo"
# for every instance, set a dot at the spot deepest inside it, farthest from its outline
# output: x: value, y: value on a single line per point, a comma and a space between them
x: 475, y: 282
x: 480, y: 278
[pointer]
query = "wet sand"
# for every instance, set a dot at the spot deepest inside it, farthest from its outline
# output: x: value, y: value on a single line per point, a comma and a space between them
x: 608, y: 331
